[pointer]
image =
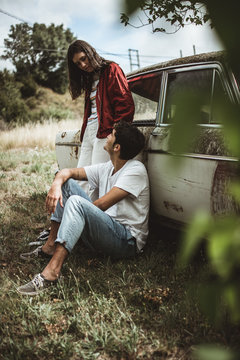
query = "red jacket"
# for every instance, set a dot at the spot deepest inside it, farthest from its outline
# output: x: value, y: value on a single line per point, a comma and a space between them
x: 114, y: 101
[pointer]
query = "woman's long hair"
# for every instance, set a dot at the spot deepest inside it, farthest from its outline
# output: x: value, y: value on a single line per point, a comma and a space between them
x: 80, y: 80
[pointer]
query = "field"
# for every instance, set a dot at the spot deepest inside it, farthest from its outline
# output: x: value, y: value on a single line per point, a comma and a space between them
x: 102, y: 309
x: 35, y: 135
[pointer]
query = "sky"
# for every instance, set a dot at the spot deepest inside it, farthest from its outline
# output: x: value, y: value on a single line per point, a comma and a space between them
x: 98, y: 22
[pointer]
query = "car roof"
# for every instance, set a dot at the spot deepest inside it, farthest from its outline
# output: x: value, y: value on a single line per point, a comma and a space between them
x: 216, y: 56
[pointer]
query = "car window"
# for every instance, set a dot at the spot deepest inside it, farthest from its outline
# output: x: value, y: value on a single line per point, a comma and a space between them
x: 220, y: 98
x: 187, y: 88
x: 145, y: 91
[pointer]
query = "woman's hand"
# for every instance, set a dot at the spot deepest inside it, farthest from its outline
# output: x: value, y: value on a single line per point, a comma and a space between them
x: 54, y: 195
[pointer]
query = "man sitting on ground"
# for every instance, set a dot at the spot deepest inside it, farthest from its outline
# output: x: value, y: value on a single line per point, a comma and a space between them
x: 116, y: 224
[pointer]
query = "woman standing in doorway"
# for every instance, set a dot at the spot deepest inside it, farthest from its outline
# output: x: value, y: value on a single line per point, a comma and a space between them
x: 107, y: 98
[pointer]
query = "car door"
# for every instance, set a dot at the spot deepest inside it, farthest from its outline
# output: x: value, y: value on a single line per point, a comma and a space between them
x: 201, y: 179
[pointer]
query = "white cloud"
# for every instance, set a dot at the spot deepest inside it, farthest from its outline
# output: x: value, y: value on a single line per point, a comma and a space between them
x: 98, y: 22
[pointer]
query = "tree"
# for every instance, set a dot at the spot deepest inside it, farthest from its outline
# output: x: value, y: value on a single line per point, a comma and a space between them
x: 177, y: 13
x: 223, y: 16
x: 40, y: 51
x: 12, y: 105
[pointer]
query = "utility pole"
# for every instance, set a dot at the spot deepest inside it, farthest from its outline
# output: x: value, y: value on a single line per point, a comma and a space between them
x: 180, y: 53
x: 194, y: 50
x: 133, y: 58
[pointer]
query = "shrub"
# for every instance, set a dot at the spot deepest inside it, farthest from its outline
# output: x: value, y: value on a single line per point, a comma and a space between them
x: 12, y: 106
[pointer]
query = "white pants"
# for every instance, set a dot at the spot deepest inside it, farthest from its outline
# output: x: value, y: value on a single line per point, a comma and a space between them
x: 92, y: 152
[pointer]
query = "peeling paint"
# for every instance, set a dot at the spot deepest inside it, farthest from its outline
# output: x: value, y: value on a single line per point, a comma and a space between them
x: 76, y: 138
x: 172, y: 206
x: 74, y: 152
x: 146, y: 130
x: 63, y: 134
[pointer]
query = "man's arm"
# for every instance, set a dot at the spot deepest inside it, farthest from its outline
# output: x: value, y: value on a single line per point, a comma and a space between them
x: 55, y: 193
x: 112, y: 197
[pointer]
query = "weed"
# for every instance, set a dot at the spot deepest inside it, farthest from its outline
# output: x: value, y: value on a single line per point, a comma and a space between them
x: 34, y: 135
x: 101, y: 309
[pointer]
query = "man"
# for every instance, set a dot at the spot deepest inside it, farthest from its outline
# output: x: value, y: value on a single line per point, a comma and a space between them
x: 116, y: 224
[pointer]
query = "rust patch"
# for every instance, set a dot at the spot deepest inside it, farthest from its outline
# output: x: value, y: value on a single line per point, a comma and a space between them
x: 63, y: 134
x: 76, y: 138
x: 172, y: 206
x: 222, y: 202
x: 76, y: 151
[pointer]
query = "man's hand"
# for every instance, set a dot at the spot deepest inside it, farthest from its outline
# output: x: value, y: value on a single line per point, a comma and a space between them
x: 54, y: 195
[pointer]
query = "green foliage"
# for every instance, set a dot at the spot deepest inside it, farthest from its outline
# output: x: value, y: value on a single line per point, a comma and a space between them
x: 57, y: 113
x: 40, y: 50
x: 219, y: 292
x: 224, y: 16
x: 211, y: 352
x: 12, y: 105
x: 21, y: 99
x: 175, y: 12
x: 28, y: 85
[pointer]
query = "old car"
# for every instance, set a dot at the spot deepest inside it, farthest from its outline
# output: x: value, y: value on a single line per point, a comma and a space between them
x: 206, y: 169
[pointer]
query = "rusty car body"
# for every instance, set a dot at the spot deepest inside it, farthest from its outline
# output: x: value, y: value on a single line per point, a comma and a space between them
x: 201, y: 180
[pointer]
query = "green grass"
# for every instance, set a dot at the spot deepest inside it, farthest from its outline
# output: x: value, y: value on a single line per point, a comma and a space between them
x: 101, y: 309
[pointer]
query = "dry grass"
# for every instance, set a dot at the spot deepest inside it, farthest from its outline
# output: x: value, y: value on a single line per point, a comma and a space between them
x: 130, y: 309
x: 35, y: 135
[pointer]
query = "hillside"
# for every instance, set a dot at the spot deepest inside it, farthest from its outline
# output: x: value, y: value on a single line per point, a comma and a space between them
x: 44, y: 105
x: 47, y: 101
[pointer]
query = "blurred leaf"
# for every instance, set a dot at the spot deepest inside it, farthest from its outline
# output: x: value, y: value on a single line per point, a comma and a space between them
x: 229, y: 114
x: 225, y: 18
x: 211, y: 352
x: 184, y: 128
x: 224, y: 246
x: 210, y: 300
x: 196, y: 231
x: 231, y: 296
x: 234, y: 189
x: 130, y: 6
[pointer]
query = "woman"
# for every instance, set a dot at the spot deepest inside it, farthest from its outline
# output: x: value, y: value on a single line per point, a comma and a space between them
x: 107, y: 98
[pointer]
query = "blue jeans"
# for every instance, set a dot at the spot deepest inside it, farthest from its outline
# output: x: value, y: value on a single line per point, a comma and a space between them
x: 79, y: 218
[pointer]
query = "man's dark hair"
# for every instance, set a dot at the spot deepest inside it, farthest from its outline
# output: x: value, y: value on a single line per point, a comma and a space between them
x: 130, y: 139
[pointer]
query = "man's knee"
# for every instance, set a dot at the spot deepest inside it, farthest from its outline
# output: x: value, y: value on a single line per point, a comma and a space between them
x: 68, y: 188
x: 76, y: 202
x: 68, y: 184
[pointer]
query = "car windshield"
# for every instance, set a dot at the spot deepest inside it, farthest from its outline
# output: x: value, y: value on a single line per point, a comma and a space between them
x: 145, y: 90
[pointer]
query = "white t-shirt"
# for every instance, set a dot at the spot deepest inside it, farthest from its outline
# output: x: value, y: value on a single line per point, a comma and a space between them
x: 94, y: 116
x: 132, y: 211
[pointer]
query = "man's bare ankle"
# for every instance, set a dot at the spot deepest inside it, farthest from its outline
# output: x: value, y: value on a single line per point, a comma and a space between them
x: 50, y: 275
x: 48, y: 249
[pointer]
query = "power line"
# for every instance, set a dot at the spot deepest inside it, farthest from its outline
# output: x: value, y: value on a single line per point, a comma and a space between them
x: 40, y: 49
x: 63, y: 50
x: 100, y: 52
x: 14, y: 16
x: 103, y: 52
